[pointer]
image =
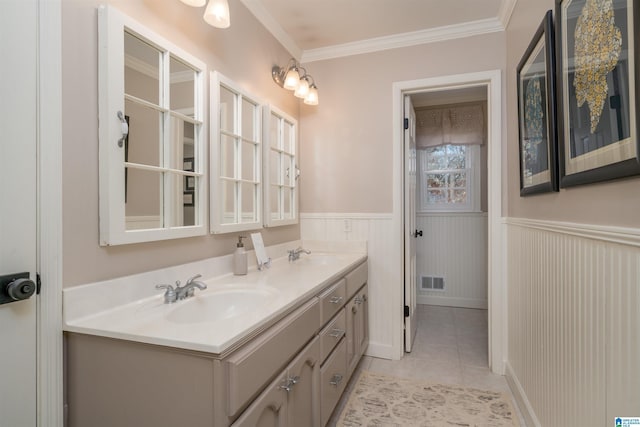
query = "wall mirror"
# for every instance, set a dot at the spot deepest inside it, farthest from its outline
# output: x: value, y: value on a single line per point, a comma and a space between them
x: 280, y: 168
x: 151, y: 108
x: 236, y: 157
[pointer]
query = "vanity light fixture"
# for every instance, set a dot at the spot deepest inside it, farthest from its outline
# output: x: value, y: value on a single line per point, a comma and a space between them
x: 294, y: 77
x: 216, y: 13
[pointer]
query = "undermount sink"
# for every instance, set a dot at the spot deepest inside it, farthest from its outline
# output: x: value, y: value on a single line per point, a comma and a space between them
x: 219, y: 305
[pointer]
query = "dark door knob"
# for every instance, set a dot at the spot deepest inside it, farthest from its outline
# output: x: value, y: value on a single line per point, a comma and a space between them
x: 21, y: 289
x: 16, y: 287
x: 417, y: 233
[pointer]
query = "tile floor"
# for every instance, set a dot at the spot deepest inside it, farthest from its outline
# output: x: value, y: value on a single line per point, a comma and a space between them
x: 450, y: 347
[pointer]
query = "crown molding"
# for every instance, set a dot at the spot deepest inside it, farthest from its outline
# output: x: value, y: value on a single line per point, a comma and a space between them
x: 149, y: 70
x: 449, y: 32
x: 506, y: 10
x: 260, y: 12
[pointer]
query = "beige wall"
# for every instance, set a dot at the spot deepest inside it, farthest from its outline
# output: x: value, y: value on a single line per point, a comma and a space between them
x: 245, y: 52
x: 346, y: 141
x: 612, y: 203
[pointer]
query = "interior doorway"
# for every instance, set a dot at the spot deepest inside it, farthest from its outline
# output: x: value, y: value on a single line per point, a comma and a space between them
x: 446, y: 207
x: 490, y: 83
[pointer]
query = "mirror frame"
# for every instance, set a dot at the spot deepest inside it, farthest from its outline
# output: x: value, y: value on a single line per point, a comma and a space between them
x: 111, y: 62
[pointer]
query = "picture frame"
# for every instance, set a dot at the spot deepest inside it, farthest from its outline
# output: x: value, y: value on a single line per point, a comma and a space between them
x: 189, y: 182
x: 188, y: 164
x: 597, y: 114
x: 536, y: 80
x: 188, y: 198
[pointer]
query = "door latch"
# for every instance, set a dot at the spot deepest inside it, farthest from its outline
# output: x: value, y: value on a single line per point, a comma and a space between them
x: 16, y: 287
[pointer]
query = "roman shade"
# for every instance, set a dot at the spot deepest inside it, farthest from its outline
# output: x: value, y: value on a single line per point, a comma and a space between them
x: 460, y: 124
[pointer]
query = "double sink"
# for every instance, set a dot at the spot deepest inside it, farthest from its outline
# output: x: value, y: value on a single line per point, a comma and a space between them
x: 230, y: 311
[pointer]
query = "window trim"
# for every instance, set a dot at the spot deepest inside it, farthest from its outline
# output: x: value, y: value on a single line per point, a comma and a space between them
x: 112, y: 25
x: 473, y: 157
x: 217, y: 80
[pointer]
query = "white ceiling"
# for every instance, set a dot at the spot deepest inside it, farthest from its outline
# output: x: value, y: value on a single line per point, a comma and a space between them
x: 321, y: 29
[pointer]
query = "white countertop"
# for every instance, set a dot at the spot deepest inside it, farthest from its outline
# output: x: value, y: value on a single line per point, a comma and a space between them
x: 143, y: 317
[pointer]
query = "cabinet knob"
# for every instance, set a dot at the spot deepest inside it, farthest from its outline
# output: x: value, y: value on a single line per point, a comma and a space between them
x: 336, y: 333
x: 336, y: 379
x: 354, y: 309
x: 335, y: 300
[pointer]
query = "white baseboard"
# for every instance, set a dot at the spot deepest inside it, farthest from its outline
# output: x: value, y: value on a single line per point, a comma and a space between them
x: 381, y: 351
x: 518, y: 392
x: 453, y: 302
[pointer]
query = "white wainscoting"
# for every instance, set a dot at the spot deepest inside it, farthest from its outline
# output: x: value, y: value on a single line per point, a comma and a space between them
x: 454, y: 246
x: 377, y: 230
x: 573, y: 321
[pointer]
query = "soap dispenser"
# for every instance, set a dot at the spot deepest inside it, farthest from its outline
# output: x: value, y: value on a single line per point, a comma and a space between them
x: 240, y: 258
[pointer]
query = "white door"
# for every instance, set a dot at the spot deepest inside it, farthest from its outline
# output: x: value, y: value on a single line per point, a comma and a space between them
x: 18, y: 124
x: 410, y: 322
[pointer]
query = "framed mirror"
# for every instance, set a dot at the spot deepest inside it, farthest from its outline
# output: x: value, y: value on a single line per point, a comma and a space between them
x: 151, y: 109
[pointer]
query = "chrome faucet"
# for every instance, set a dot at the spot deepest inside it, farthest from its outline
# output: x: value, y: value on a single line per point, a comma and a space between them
x: 179, y: 293
x: 294, y: 254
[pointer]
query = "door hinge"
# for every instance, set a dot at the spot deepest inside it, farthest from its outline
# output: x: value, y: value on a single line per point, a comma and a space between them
x: 38, y: 284
x: 406, y: 311
x: 406, y: 124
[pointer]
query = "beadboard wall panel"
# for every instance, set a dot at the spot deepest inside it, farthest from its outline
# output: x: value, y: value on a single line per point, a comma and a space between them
x: 454, y: 246
x: 377, y: 230
x: 574, y: 322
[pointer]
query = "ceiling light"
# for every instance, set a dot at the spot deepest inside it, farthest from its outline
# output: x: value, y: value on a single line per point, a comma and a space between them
x: 217, y: 14
x: 290, y: 78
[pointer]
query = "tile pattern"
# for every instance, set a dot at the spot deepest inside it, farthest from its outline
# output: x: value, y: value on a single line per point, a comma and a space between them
x: 451, y: 347
x: 390, y: 401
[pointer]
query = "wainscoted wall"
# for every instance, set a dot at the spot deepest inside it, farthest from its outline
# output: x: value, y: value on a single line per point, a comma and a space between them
x: 377, y: 230
x: 574, y: 321
x: 454, y: 246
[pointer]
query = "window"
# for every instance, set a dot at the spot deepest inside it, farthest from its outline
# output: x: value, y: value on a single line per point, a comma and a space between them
x: 151, y: 109
x: 281, y: 169
x: 236, y: 158
x: 449, y: 178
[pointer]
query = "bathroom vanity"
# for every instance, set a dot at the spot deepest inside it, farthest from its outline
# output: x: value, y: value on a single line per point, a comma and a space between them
x: 273, y: 348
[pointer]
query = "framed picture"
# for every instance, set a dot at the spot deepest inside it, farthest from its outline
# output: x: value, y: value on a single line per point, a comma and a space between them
x: 597, y: 70
x: 537, y: 113
x: 188, y: 164
x: 188, y: 198
x: 190, y: 182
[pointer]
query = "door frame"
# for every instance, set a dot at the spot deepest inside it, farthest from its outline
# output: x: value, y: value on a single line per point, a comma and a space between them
x: 492, y: 80
x: 49, y: 370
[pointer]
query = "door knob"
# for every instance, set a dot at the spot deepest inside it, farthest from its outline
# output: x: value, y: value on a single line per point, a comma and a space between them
x: 16, y: 287
x: 21, y: 289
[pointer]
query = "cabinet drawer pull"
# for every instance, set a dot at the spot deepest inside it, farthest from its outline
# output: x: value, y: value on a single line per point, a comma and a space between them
x: 335, y: 300
x: 358, y: 300
x: 335, y: 380
x: 336, y: 333
x: 295, y: 380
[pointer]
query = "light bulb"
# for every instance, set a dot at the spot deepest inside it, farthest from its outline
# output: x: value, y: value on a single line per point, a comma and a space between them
x: 312, y: 96
x: 217, y: 14
x: 303, y: 88
x: 292, y: 80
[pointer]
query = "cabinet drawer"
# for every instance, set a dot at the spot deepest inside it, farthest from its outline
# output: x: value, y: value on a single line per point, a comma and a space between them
x: 356, y: 279
x: 333, y: 379
x: 251, y: 367
x: 331, y: 335
x: 332, y: 300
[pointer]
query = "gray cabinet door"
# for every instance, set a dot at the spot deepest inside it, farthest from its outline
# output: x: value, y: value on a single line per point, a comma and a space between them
x: 269, y: 409
x: 304, y: 374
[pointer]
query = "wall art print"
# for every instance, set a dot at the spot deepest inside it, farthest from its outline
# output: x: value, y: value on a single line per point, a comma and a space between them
x: 597, y: 90
x: 537, y: 113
